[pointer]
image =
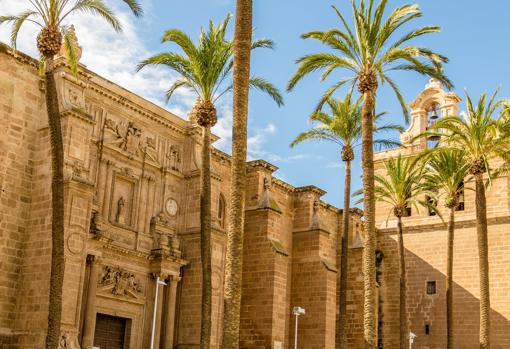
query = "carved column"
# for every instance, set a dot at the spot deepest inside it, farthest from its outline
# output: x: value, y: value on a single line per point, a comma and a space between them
x: 159, y: 309
x: 142, y: 203
x: 171, y: 298
x: 149, y: 204
x: 89, y: 318
x: 107, y: 190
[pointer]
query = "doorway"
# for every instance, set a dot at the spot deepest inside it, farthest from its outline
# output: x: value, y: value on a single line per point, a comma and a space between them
x: 110, y: 332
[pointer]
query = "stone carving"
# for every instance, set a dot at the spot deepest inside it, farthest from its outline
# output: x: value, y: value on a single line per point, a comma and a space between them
x: 174, y: 158
x: 120, y: 282
x: 129, y: 136
x: 266, y: 200
x: 119, y: 216
x: 160, y: 218
x: 68, y: 341
x: 316, y: 219
x: 131, y: 139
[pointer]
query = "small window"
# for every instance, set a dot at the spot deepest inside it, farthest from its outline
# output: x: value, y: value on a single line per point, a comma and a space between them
x: 408, y: 211
x: 431, y: 287
x: 460, y: 198
x: 221, y: 211
x: 427, y: 329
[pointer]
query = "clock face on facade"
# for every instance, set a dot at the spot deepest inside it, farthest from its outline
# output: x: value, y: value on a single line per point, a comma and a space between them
x: 171, y: 207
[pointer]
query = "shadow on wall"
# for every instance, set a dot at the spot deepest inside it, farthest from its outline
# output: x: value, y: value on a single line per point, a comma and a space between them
x: 426, y: 301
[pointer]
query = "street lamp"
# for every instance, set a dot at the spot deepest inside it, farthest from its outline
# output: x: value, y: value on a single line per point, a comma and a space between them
x: 297, y: 311
x: 158, y: 282
x: 412, y: 336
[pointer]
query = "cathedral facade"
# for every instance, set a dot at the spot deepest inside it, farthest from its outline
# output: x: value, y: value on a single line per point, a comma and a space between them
x: 132, y: 247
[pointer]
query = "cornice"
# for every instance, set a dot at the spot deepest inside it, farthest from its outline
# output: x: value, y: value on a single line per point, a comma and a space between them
x: 263, y: 164
x: 310, y: 188
x: 283, y: 185
x: 125, y: 102
x: 19, y: 56
x: 221, y: 156
x: 79, y: 114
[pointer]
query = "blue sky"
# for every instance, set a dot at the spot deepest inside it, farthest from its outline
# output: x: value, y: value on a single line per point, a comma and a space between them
x: 474, y: 36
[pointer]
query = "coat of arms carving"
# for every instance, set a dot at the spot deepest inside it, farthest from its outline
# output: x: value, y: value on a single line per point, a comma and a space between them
x: 119, y: 282
x: 131, y: 139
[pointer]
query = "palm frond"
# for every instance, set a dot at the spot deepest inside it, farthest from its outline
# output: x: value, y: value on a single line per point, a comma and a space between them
x: 95, y: 7
x: 263, y: 43
x: 181, y: 39
x: 135, y: 7
x: 70, y: 48
x: 265, y: 86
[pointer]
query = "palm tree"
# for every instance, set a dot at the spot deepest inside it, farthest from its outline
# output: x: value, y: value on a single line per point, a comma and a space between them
x: 446, y: 172
x: 370, y: 52
x: 343, y: 127
x: 235, y: 233
x: 484, y: 139
x: 401, y: 187
x: 55, y: 34
x: 206, y: 68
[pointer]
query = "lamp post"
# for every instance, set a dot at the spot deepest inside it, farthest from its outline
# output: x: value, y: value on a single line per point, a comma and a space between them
x: 297, y: 311
x: 412, y: 336
x: 158, y: 282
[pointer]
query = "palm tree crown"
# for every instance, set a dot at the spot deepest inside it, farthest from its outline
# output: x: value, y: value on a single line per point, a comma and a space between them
x: 370, y: 50
x: 445, y: 174
x: 206, y: 67
x: 50, y: 16
x: 401, y: 186
x: 482, y: 137
x: 343, y: 126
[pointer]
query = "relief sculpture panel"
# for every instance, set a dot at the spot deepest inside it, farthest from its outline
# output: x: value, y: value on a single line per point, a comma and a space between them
x: 119, y: 282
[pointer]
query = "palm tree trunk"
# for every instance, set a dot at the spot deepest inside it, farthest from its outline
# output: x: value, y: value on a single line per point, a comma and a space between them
x: 367, y: 138
x: 342, y: 341
x: 57, y: 207
x: 483, y: 255
x: 449, y: 280
x: 402, y: 283
x: 235, y: 234
x: 205, y: 239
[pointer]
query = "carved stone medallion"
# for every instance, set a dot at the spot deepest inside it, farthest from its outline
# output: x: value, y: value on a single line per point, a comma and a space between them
x: 171, y: 207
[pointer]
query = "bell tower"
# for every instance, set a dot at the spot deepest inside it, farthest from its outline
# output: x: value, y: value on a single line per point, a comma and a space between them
x: 432, y: 104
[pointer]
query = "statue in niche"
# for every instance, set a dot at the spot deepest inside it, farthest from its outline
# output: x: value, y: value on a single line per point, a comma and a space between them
x: 174, y: 158
x: 119, y: 216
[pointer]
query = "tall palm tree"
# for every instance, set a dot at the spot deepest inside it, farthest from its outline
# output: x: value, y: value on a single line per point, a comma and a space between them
x: 235, y: 233
x: 401, y: 187
x: 485, y: 140
x: 55, y: 34
x: 445, y: 175
x: 206, y: 69
x: 370, y: 51
x: 343, y: 127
